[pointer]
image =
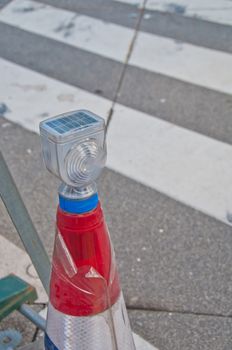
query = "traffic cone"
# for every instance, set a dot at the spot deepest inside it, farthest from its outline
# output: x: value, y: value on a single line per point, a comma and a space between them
x: 86, y: 308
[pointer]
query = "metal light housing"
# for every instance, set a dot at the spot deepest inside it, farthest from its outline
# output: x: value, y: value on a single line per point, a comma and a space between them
x: 73, y: 146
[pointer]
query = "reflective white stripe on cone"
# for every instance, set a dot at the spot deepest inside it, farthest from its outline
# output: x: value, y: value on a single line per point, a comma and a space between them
x: 109, y: 330
x: 140, y: 343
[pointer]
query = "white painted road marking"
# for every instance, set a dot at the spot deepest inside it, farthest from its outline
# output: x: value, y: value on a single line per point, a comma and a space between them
x: 186, y: 62
x: 69, y: 27
x: 208, y: 10
x: 31, y: 97
x: 189, y: 167
x: 10, y: 256
x: 192, y: 168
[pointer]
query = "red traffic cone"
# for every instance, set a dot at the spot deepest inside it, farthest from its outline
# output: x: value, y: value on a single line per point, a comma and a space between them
x: 86, y: 309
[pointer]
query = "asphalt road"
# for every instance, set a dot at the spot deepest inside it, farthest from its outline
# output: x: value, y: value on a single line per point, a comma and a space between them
x: 161, y: 77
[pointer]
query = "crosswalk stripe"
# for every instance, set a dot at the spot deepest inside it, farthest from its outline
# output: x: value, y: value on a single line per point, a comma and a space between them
x: 208, y: 10
x: 69, y: 27
x: 196, y: 65
x: 190, y: 106
x: 168, y: 24
x: 192, y: 168
x: 29, y: 97
x: 10, y: 255
x: 190, y: 63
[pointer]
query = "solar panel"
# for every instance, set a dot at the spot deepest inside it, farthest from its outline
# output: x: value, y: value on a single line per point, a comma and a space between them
x: 78, y: 120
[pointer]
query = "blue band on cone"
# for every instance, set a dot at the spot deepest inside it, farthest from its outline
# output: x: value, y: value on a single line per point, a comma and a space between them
x: 79, y: 206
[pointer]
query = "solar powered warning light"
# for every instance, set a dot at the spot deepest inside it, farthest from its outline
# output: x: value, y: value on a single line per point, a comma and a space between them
x: 74, y: 149
x: 86, y: 308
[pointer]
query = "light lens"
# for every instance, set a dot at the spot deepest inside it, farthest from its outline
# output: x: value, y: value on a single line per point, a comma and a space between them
x: 84, y: 162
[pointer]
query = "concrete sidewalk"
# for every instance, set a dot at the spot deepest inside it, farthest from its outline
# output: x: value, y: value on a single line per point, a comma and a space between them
x: 38, y: 345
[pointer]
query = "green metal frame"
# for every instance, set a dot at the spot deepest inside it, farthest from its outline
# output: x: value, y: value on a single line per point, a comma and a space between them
x: 13, y: 293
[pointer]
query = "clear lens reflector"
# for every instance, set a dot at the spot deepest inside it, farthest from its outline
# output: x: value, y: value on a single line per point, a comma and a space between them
x: 84, y: 162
